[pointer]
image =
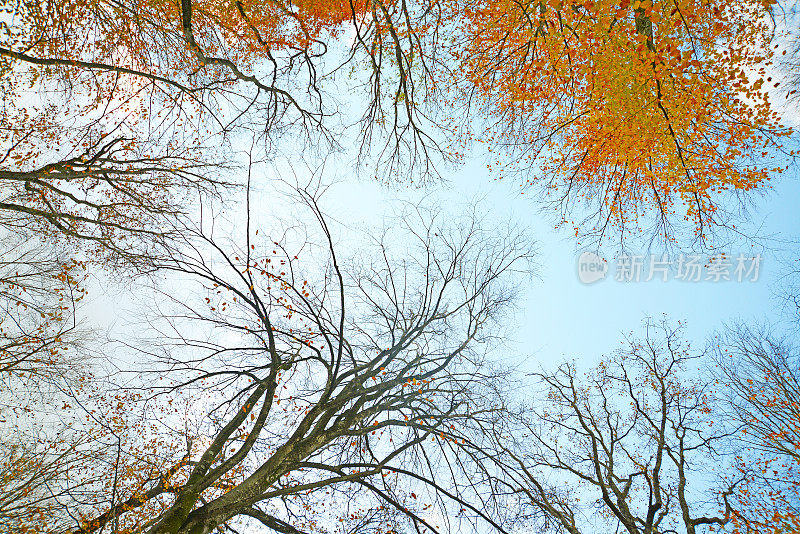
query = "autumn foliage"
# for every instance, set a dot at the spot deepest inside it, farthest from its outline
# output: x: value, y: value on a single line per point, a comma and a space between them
x: 635, y: 107
x: 285, y: 387
x: 759, y: 371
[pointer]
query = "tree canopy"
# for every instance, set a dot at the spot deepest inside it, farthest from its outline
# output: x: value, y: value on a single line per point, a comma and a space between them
x: 276, y: 377
x: 646, y: 114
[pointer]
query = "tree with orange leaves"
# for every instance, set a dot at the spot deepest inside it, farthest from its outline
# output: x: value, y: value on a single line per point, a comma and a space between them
x: 633, y: 108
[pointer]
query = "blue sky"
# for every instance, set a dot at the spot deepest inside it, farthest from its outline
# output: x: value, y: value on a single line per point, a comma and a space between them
x: 562, y: 318
x: 558, y: 316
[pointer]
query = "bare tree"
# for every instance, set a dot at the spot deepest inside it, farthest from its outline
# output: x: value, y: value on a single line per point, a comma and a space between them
x: 107, y: 199
x: 342, y: 395
x: 629, y: 447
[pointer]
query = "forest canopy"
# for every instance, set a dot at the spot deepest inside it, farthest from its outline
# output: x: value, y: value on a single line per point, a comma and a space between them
x: 267, y: 365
